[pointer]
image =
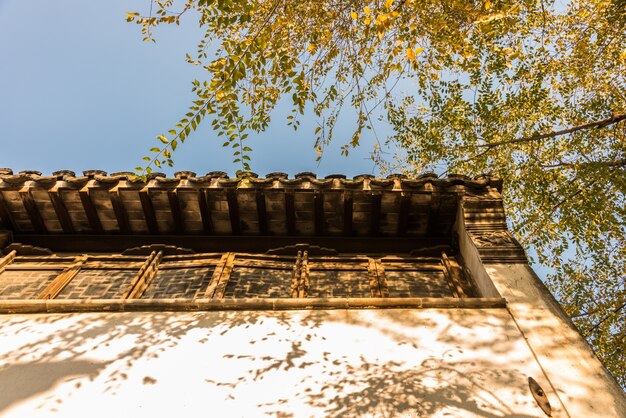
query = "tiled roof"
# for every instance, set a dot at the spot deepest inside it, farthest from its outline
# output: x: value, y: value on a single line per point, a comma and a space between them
x: 98, y: 203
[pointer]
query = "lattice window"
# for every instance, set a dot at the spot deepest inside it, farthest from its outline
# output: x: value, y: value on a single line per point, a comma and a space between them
x: 231, y: 276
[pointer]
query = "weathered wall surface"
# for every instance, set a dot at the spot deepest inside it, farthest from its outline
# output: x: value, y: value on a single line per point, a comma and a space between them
x: 323, y: 363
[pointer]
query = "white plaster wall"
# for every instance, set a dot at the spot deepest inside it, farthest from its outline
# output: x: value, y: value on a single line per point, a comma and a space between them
x: 367, y: 363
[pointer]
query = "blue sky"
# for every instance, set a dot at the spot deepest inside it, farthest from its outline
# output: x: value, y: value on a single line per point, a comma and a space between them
x: 80, y: 90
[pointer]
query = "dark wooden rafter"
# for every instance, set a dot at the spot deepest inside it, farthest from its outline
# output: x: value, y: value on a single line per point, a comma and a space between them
x: 261, y: 211
x: 175, y: 210
x: 318, y: 212
x: 58, y: 284
x: 375, y: 214
x: 61, y: 211
x: 144, y: 277
x: 403, y: 215
x: 120, y: 212
x: 348, y: 208
x: 148, y: 212
x: 233, y: 212
x: 453, y: 272
x: 5, y: 215
x: 33, y: 212
x: 205, y: 212
x: 90, y: 211
x: 290, y: 212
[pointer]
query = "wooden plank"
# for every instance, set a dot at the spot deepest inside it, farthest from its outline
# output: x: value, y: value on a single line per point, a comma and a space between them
x: 233, y: 212
x: 375, y: 214
x: 61, y: 211
x: 120, y: 212
x: 5, y: 215
x: 6, y: 260
x: 139, y: 276
x: 318, y: 212
x: 205, y: 212
x: 261, y: 211
x: 24, y: 306
x: 177, y: 215
x: 221, y: 273
x: 347, y: 213
x: 371, y: 271
x: 148, y: 212
x: 33, y: 212
x: 403, y: 216
x: 90, y: 211
x: 452, y: 271
x: 58, y: 284
x: 290, y: 212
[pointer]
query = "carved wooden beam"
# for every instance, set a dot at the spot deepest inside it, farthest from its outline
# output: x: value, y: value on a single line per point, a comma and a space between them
x: 305, y: 281
x: 233, y: 212
x: 120, y: 212
x: 295, y: 278
x: 33, y: 212
x: 205, y: 212
x: 261, y: 211
x: 373, y: 276
x: 347, y: 213
x: 375, y: 214
x: 403, y: 215
x: 148, y: 212
x: 58, y: 284
x: 5, y: 214
x: 61, y: 211
x: 290, y: 212
x: 177, y: 216
x: 318, y: 212
x: 90, y: 211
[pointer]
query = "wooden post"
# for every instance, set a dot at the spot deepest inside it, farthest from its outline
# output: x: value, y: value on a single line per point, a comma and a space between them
x: 304, y: 276
x: 144, y: 277
x: 6, y: 260
x: 382, y: 279
x: 295, y: 280
x: 371, y: 271
x: 452, y: 271
x: 220, y: 278
x: 58, y: 284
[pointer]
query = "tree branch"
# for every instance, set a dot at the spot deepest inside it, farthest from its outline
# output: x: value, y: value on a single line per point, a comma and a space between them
x: 597, y: 124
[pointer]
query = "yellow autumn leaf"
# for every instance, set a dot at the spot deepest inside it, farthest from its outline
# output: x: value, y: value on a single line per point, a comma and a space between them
x: 353, y: 15
x: 367, y: 10
x: 418, y: 51
x: 388, y: 4
x: 311, y: 48
x: 410, y: 54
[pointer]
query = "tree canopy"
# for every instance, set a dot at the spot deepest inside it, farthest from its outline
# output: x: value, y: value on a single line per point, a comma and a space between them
x: 534, y: 91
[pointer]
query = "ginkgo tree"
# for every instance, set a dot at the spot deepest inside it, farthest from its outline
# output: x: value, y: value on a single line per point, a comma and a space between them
x: 534, y: 91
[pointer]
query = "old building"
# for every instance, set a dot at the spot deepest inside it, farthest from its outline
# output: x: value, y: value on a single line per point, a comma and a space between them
x: 279, y: 296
